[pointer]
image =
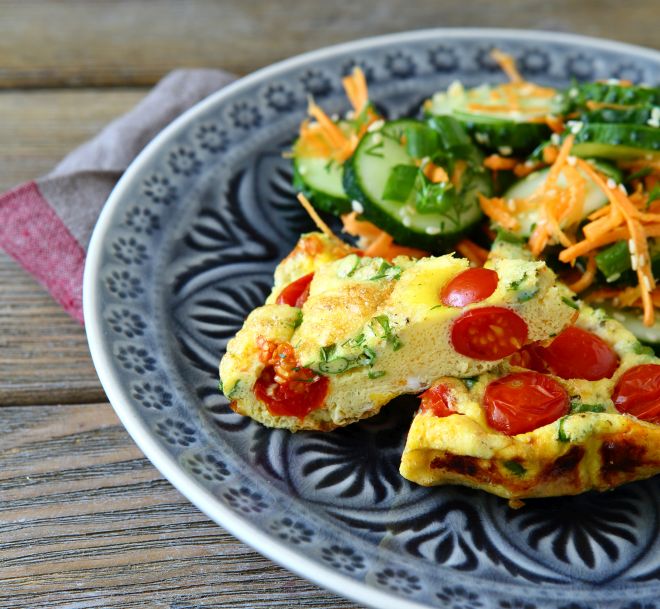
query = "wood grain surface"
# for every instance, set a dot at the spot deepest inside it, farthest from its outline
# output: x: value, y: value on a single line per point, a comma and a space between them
x: 51, y: 43
x: 85, y: 520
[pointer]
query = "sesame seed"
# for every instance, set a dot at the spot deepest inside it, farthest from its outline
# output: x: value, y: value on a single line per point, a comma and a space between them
x: 511, y: 204
x: 633, y: 262
x: 622, y: 188
x: 334, y: 117
x: 641, y: 260
x: 555, y: 138
x: 573, y: 92
x: 575, y: 126
x: 572, y: 161
x: 377, y: 139
x: 406, y: 221
x: 357, y: 207
x: 611, y: 184
x: 302, y: 170
x: 632, y: 247
x: 350, y: 115
x: 376, y: 125
x: 432, y: 230
x: 482, y: 138
x: 505, y: 150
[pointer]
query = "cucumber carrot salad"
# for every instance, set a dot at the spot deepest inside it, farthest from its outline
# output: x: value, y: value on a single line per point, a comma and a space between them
x: 574, y: 173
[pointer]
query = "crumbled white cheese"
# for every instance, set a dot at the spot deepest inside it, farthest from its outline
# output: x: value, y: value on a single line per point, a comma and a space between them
x: 357, y: 207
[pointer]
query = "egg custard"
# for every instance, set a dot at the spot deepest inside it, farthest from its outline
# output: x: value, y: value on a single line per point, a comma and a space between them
x: 343, y: 334
x: 530, y: 428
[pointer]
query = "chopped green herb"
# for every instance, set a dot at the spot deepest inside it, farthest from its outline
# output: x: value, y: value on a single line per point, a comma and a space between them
x: 391, y: 338
x: 507, y: 237
x: 233, y: 390
x: 326, y: 353
x: 516, y: 467
x: 561, y: 434
x: 220, y: 387
x: 348, y: 265
x: 436, y: 307
x: 653, y: 195
x: 298, y: 320
x: 434, y: 198
x: 370, y: 356
x: 376, y: 374
x: 328, y: 166
x: 642, y: 173
x: 421, y: 141
x: 387, y: 271
x: 515, y: 285
x: 641, y: 349
x: 471, y: 381
x: 525, y: 295
x: 400, y: 183
x: 577, y: 406
x: 334, y: 366
x: 375, y: 150
x: 570, y: 303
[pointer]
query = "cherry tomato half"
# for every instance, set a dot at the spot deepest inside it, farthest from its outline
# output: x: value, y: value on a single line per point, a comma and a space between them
x: 523, y: 401
x: 295, y: 398
x: 573, y: 354
x: 638, y: 393
x: 437, y: 400
x: 472, y: 285
x: 296, y: 293
x: 488, y: 333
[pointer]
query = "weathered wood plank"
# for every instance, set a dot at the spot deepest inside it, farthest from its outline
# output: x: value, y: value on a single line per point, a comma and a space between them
x: 122, y: 42
x: 38, y: 128
x: 86, y: 521
x: 43, y: 352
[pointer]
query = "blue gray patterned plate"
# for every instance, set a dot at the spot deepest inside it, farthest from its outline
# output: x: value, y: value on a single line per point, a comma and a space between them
x: 185, y: 248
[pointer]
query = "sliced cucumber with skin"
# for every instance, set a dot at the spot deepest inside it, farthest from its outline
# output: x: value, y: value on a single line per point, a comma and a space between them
x: 576, y: 97
x: 366, y: 175
x: 594, y: 197
x: 515, y: 131
x: 646, y: 116
x: 613, y: 141
x: 320, y: 181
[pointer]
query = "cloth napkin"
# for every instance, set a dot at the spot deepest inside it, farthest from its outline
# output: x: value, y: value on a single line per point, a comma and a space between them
x: 46, y: 224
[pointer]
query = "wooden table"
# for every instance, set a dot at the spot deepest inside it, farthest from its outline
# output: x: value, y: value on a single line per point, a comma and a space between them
x: 85, y: 519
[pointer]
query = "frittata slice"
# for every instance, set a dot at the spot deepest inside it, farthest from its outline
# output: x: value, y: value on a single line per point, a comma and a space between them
x: 364, y: 330
x: 533, y: 431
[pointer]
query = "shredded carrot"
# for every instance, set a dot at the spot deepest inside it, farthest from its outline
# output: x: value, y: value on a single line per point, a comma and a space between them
x: 495, y: 209
x: 550, y: 154
x: 638, y: 243
x: 587, y: 277
x: 594, y: 105
x: 322, y: 226
x: 499, y: 163
x: 355, y: 86
x: 375, y: 241
x: 474, y: 253
x: 507, y: 64
x: 459, y: 169
x: 555, y: 123
x: 435, y: 173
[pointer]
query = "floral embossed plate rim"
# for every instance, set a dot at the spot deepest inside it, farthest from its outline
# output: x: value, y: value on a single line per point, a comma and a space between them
x: 157, y: 316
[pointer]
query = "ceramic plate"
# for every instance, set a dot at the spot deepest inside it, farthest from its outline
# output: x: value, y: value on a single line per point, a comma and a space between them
x: 185, y: 248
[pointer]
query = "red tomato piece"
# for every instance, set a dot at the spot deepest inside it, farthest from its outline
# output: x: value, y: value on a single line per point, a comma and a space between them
x: 438, y: 400
x: 296, y: 293
x: 472, y: 285
x: 524, y: 401
x: 638, y: 393
x: 488, y: 333
x: 294, y: 398
x: 573, y: 354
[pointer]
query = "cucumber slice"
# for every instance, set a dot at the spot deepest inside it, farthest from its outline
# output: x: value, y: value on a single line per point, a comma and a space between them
x: 632, y: 320
x: 507, y: 132
x: 594, y: 197
x: 576, y: 97
x: 647, y: 116
x: 611, y: 141
x: 366, y: 176
x: 320, y: 181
